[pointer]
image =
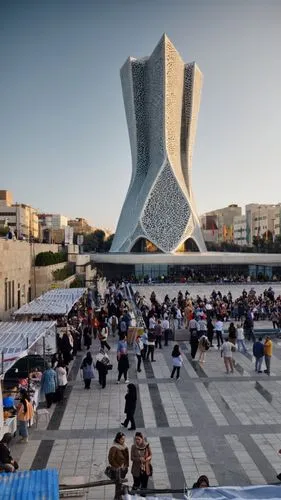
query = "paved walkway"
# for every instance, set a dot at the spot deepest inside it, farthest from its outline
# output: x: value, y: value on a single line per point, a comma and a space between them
x: 224, y: 426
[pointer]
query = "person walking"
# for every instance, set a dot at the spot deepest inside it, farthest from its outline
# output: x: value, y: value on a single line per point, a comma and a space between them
x: 241, y: 339
x: 150, y: 345
x: 177, y: 362
x: 118, y: 457
x: 203, y: 346
x: 267, y: 354
x: 227, y: 349
x: 87, y: 337
x: 103, y: 335
x: 166, y: 329
x: 194, y: 336
x: 49, y: 385
x: 158, y: 334
x: 62, y: 380
x: 87, y: 370
x: 130, y: 407
x: 219, y: 331
x: 144, y: 339
x: 141, y: 456
x: 232, y: 333
x: 258, y: 353
x: 25, y: 413
x: 123, y: 359
x: 102, y: 364
x: 138, y: 348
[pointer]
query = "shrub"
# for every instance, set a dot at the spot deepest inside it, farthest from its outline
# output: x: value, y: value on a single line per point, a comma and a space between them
x: 78, y: 282
x: 64, y: 272
x: 50, y: 258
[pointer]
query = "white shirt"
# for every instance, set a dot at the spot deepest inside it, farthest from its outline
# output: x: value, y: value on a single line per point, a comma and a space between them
x: 226, y: 349
x: 61, y: 374
x: 240, y: 333
x: 165, y: 324
x: 152, y: 323
x: 219, y: 326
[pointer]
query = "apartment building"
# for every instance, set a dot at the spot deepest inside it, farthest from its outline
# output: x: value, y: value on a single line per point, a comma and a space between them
x: 22, y: 219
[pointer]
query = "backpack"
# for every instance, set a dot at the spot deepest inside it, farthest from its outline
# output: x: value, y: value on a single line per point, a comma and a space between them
x: 151, y: 336
x: 206, y: 344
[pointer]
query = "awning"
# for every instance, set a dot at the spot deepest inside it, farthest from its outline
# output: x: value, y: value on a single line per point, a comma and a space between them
x: 57, y: 302
x: 30, y: 485
x: 18, y: 338
x: 266, y: 492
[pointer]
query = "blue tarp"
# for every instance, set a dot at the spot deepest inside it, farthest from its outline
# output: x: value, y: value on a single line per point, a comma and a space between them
x: 30, y: 485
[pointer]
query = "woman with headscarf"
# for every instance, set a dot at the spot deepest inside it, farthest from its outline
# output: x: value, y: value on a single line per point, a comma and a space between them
x: 87, y: 369
x: 141, y: 461
x: 202, y: 482
x: 118, y: 456
x: 130, y: 407
x: 102, y: 363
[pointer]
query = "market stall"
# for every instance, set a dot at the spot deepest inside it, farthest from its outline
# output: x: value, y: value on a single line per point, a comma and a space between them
x: 19, y: 340
x: 57, y: 302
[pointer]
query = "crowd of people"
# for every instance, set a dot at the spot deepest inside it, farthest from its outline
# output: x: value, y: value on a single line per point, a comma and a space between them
x: 88, y: 328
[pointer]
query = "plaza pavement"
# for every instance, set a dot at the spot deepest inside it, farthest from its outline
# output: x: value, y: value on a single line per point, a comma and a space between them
x: 224, y: 426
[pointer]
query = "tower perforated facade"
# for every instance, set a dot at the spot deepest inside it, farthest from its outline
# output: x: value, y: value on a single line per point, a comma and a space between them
x: 162, y: 98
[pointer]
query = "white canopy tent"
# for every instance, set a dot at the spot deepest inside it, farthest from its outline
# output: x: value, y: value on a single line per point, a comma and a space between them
x: 57, y: 302
x: 19, y: 338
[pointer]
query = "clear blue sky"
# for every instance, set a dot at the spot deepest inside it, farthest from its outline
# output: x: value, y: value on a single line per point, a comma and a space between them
x: 64, y: 144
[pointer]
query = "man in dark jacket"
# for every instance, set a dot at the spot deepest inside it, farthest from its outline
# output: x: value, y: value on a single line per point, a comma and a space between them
x: 258, y: 352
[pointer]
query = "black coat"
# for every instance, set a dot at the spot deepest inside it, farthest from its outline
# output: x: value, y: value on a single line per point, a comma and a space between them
x: 130, y: 404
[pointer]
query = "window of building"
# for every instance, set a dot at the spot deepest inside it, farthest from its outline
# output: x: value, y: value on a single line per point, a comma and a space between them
x: 6, y: 294
x: 19, y: 301
x: 10, y: 293
x: 13, y: 293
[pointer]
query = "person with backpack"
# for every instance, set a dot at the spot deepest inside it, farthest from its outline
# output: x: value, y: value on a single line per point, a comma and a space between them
x: 203, y: 346
x: 177, y: 362
x: 103, y: 335
x: 102, y: 366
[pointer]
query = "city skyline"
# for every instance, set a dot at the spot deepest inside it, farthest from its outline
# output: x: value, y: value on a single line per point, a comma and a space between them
x: 62, y: 101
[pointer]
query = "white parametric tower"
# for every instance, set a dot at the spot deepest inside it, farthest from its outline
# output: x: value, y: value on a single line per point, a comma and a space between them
x: 162, y: 98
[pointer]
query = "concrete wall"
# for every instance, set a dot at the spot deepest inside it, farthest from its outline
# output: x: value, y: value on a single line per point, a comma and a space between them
x: 16, y: 271
x: 43, y: 279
